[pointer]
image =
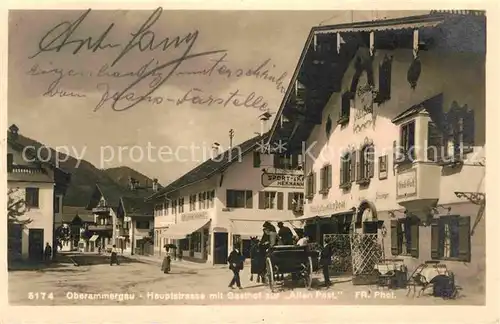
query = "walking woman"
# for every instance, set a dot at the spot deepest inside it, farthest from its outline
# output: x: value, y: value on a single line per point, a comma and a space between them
x: 114, y: 256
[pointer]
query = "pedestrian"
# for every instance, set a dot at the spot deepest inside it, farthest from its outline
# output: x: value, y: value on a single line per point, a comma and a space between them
x: 47, y: 253
x: 114, y: 256
x: 325, y: 261
x: 285, y: 234
x: 235, y: 261
x: 165, y: 266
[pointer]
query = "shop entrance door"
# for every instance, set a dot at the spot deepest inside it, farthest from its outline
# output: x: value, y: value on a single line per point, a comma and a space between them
x: 220, y: 248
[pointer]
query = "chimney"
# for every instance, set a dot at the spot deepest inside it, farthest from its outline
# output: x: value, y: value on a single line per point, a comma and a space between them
x: 155, y: 184
x: 13, y: 132
x: 263, y: 122
x: 215, y: 149
x: 10, y: 162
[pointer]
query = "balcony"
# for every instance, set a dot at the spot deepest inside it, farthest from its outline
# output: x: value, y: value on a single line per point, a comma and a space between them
x: 101, y: 210
x: 107, y: 227
x: 418, y: 185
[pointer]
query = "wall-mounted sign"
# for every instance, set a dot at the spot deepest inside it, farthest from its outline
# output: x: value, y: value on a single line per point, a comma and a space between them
x: 406, y: 184
x: 332, y: 207
x: 281, y: 180
x: 195, y: 215
x: 381, y: 195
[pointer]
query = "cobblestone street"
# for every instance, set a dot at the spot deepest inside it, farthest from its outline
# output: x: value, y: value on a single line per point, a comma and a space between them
x: 139, y: 283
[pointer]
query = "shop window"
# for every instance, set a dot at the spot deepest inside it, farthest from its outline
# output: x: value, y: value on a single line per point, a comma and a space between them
x: 196, y: 242
x: 310, y: 185
x: 347, y: 161
x: 450, y: 238
x: 406, y: 151
x: 365, y: 164
x: 325, y: 179
x: 239, y: 198
x: 270, y: 200
x: 32, y: 197
x: 404, y: 237
x: 184, y: 244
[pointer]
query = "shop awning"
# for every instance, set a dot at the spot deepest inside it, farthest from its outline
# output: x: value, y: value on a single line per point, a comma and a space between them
x: 249, y: 228
x: 94, y: 238
x: 179, y: 231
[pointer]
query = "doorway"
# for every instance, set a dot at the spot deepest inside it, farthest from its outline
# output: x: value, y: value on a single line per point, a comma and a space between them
x: 220, y: 248
x: 35, y: 244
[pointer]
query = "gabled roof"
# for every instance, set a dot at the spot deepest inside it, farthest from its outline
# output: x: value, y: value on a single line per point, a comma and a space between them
x: 113, y: 195
x: 71, y: 212
x: 211, y: 167
x: 135, y: 206
x: 433, y: 106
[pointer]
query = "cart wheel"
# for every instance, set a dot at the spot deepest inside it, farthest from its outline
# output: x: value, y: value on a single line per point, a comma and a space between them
x: 308, y: 273
x: 270, y: 275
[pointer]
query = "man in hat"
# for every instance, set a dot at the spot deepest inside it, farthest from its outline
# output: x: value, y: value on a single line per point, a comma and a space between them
x: 285, y: 234
x: 235, y: 260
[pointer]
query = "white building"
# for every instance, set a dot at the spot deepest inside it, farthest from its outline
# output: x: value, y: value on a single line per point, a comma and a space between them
x: 41, y: 186
x: 394, y: 131
x: 225, y: 200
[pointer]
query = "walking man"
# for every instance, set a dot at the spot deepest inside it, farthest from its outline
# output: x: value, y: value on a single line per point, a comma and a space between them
x: 114, y: 256
x: 325, y: 261
x: 47, y: 253
x: 235, y: 261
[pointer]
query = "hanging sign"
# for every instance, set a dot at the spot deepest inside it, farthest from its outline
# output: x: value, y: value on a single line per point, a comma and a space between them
x: 281, y: 180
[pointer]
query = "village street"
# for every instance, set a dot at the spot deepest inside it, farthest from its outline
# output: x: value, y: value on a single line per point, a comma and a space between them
x: 142, y: 283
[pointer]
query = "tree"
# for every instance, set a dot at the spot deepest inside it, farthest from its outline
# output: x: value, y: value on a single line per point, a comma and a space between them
x: 16, y: 208
x: 63, y: 234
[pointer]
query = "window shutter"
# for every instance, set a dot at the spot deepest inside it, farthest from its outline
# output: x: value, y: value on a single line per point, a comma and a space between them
x: 256, y: 159
x: 290, y: 200
x: 342, y: 166
x: 411, y: 139
x: 313, y: 183
x: 371, y: 162
x: 359, y: 166
x: 395, y: 246
x: 280, y: 201
x: 262, y: 200
x: 414, y: 228
x: 322, y: 179
x: 249, y: 199
x: 435, y: 237
x: 464, y: 246
x: 352, y: 165
x: 276, y: 161
x: 329, y: 176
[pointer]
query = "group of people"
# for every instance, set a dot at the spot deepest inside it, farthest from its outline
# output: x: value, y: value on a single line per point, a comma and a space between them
x: 270, y: 238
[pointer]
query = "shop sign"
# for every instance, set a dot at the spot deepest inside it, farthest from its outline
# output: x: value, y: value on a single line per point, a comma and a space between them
x: 192, y: 216
x: 329, y: 208
x: 281, y: 180
x: 407, y: 184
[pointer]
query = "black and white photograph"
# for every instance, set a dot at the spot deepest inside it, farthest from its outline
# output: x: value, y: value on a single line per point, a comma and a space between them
x: 246, y: 157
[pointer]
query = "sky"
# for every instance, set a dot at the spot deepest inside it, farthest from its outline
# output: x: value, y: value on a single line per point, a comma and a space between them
x: 62, y: 95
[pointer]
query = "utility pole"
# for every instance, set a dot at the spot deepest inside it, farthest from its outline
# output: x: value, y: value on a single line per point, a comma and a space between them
x: 231, y: 135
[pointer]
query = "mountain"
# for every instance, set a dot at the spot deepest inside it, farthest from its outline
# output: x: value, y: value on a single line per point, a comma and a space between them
x: 86, y: 175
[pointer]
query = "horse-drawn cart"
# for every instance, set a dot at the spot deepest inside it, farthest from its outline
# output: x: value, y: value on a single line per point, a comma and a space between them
x: 289, y: 259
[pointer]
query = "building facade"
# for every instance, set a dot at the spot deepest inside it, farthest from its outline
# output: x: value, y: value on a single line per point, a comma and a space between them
x: 225, y: 200
x: 35, y: 190
x: 394, y: 145
x: 136, y: 222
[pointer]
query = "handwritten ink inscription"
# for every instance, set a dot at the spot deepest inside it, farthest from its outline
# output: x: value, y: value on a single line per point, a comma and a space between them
x: 144, y: 81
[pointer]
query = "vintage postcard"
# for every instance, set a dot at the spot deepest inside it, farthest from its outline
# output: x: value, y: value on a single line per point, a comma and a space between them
x: 246, y: 157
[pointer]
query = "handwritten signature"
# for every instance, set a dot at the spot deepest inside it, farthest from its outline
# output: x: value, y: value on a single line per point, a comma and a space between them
x: 60, y: 37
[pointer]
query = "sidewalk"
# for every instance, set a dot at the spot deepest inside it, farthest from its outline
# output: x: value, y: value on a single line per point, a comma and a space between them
x: 182, y: 264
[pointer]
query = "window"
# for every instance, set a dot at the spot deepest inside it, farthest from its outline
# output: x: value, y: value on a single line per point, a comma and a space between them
x: 450, y: 238
x: 285, y: 161
x: 345, y: 109
x: 310, y: 185
x: 181, y: 205
x: 31, y: 198
x: 239, y: 198
x: 256, y: 159
x: 382, y: 167
x: 270, y: 200
x: 142, y: 224
x: 192, y: 202
x: 174, y: 206
x: 296, y: 201
x: 325, y: 179
x: 10, y: 162
x: 204, y: 196
x: 196, y: 242
x: 404, y: 237
x: 166, y: 205
x: 158, y: 208
x: 346, y: 169
x: 201, y: 203
x: 57, y: 204
x: 366, y: 164
x: 406, y: 152
x: 211, y: 197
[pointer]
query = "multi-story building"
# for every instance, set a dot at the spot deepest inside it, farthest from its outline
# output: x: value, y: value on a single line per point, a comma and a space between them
x: 390, y: 117
x: 225, y: 200
x: 35, y: 189
x: 138, y: 223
